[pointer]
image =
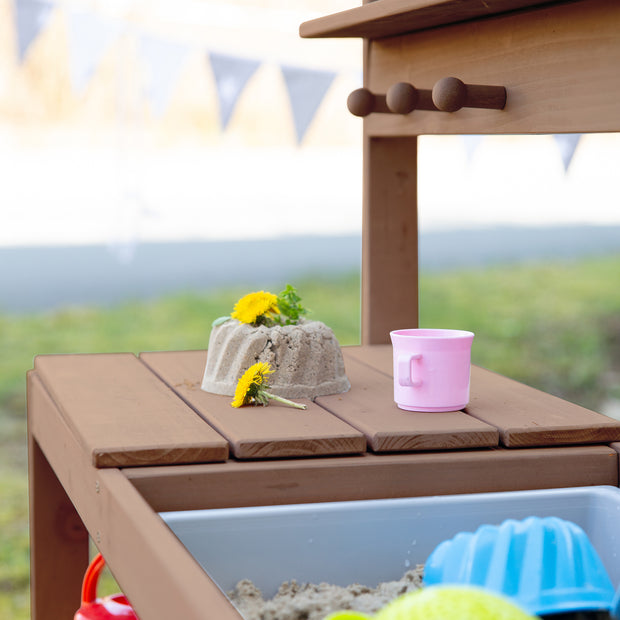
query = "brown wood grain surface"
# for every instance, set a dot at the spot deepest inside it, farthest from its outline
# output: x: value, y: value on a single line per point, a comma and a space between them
x: 58, y: 541
x: 524, y: 415
x: 124, y: 415
x: 370, y: 407
x: 558, y: 65
x: 383, y: 18
x: 256, y: 432
x: 373, y: 476
x: 389, y: 237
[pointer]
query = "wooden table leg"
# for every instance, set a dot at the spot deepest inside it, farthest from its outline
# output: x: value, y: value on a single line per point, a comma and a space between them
x: 389, y: 238
x: 58, y: 543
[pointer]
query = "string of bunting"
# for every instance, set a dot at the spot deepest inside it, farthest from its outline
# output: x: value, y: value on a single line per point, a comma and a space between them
x: 90, y: 35
x: 566, y: 143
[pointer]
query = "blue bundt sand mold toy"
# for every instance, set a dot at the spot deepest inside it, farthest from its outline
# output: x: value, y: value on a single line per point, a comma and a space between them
x: 546, y: 565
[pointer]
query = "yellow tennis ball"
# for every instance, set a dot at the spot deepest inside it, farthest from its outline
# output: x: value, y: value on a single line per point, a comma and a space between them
x: 348, y: 615
x: 443, y: 603
x: 447, y: 602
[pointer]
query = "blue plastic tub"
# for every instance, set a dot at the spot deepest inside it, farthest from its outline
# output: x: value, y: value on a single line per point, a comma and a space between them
x: 377, y: 540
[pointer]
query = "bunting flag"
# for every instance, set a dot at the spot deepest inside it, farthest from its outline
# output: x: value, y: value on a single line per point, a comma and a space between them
x: 231, y: 75
x: 31, y: 16
x: 89, y: 37
x: 306, y: 89
x: 567, y: 144
x: 471, y: 142
x: 163, y: 60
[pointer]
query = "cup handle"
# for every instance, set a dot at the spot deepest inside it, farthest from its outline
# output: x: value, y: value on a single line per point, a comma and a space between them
x: 405, y: 376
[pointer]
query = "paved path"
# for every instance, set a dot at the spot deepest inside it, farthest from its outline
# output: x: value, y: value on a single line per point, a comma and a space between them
x: 45, y: 278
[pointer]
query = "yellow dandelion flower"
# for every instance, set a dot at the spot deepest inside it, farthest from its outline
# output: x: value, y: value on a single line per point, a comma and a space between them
x: 249, y: 383
x: 252, y: 388
x: 256, y: 307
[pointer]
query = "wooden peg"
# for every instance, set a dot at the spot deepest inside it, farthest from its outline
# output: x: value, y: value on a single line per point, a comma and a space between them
x: 362, y: 102
x: 403, y: 98
x: 451, y: 94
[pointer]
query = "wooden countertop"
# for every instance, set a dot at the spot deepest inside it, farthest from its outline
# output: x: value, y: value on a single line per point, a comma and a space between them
x: 150, y: 410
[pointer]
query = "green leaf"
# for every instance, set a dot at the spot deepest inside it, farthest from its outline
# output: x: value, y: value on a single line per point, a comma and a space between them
x: 291, y: 309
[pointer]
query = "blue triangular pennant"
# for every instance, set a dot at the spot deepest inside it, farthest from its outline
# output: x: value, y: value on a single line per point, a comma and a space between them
x: 31, y: 16
x: 306, y: 89
x: 567, y: 144
x: 89, y: 37
x: 231, y: 75
x: 164, y: 60
x: 471, y: 142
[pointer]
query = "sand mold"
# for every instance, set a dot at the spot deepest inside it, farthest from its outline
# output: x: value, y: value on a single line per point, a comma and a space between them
x: 306, y: 358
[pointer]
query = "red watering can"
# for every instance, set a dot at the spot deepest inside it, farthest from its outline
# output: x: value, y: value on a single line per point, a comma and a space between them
x: 107, y: 608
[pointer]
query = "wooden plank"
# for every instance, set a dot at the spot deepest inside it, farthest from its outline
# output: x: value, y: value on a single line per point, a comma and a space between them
x: 389, y: 238
x: 384, y: 18
x: 152, y: 567
x: 370, y: 407
x: 372, y: 476
x: 557, y: 62
x: 524, y: 415
x: 58, y: 543
x: 256, y: 432
x: 529, y: 417
x: 175, y: 585
x: 124, y: 415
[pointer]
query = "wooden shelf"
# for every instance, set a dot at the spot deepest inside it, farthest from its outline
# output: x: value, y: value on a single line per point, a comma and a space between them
x: 166, y: 419
x: 385, y: 18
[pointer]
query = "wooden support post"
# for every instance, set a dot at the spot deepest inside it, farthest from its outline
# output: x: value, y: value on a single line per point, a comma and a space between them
x: 151, y: 566
x: 389, y: 237
x: 58, y: 543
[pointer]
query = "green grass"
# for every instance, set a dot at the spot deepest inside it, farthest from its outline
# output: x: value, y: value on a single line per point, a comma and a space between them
x: 555, y: 326
x: 14, y: 563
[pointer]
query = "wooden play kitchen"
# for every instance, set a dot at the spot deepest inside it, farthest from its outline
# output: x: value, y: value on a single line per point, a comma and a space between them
x: 115, y: 439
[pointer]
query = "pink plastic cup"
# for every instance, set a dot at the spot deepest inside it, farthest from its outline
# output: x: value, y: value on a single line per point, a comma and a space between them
x: 431, y: 368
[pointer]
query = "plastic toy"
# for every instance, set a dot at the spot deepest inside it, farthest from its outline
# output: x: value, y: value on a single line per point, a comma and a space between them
x: 443, y: 603
x: 546, y: 565
x: 107, y: 608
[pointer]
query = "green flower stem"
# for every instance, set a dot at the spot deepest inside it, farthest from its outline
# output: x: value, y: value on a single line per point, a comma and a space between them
x: 284, y: 401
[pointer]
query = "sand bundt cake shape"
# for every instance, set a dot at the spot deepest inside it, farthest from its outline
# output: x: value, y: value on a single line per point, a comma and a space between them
x: 305, y: 358
x: 304, y: 355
